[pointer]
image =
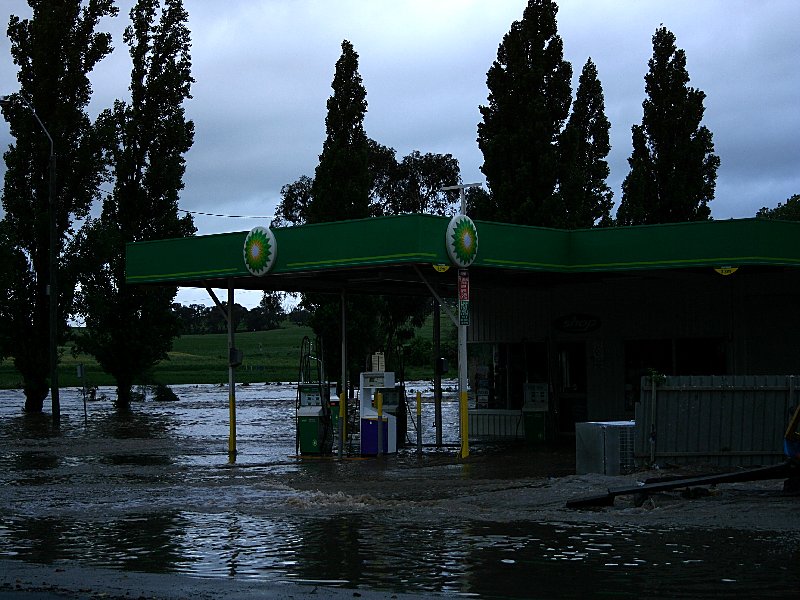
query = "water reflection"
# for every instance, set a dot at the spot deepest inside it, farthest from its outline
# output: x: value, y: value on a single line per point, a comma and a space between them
x: 142, y: 460
x: 515, y: 560
x: 149, y: 542
x: 135, y: 424
x: 16, y: 425
x: 331, y: 550
x: 34, y: 461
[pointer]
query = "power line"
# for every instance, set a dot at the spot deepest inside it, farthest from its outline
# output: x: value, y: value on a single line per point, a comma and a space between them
x: 205, y: 214
x: 197, y: 212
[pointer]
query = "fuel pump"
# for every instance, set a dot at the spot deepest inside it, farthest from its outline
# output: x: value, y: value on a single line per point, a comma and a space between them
x: 378, y: 426
x: 313, y: 409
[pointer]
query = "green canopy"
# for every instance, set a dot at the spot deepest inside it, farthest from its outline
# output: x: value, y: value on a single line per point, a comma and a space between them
x: 387, y: 254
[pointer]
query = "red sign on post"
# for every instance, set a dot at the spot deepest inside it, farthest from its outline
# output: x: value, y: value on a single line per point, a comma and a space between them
x: 463, y: 284
x: 463, y: 297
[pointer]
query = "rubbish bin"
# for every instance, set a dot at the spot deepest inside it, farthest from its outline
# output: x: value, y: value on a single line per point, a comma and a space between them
x: 535, y: 428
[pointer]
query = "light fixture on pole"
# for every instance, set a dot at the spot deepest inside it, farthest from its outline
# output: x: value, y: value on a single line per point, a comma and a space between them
x: 52, y: 289
x: 461, y: 194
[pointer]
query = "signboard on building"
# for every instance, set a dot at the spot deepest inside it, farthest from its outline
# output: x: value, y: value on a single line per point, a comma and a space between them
x: 577, y: 323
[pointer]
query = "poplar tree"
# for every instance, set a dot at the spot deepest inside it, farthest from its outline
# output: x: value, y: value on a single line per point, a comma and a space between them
x: 673, y: 168
x: 529, y: 100
x: 341, y: 181
x: 14, y: 264
x: 130, y: 328
x: 54, y: 50
x: 357, y: 177
x: 584, y: 196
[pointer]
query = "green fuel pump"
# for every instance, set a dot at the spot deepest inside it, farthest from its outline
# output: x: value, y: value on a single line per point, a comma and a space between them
x: 313, y: 409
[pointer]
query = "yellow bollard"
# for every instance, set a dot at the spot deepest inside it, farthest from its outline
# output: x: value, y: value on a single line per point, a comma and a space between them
x: 342, y: 422
x: 419, y: 422
x: 464, y: 425
x: 232, y: 433
x: 379, y: 406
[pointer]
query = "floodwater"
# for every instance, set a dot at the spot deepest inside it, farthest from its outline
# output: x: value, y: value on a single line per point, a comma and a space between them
x: 152, y: 491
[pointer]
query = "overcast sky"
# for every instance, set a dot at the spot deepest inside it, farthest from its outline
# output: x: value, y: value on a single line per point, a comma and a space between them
x: 263, y: 70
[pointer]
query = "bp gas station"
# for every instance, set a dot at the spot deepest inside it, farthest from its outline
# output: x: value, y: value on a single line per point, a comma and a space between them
x: 553, y: 324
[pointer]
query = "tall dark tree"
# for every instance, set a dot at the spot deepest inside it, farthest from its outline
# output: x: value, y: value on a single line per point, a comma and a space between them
x: 358, y: 177
x: 55, y: 51
x: 14, y: 266
x: 529, y: 99
x: 481, y: 204
x: 342, y: 182
x: 673, y: 166
x: 382, y: 175
x: 130, y: 328
x: 297, y: 197
x: 790, y: 211
x: 295, y: 201
x: 414, y: 185
x: 583, y: 193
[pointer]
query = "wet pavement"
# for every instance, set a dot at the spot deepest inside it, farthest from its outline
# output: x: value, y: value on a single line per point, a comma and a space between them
x: 152, y: 492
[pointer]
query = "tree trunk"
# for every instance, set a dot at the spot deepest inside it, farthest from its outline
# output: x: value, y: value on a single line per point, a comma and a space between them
x: 124, y: 397
x: 34, y: 379
x: 35, y: 393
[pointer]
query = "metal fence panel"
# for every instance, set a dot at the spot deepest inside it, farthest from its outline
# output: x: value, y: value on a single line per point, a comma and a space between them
x: 723, y: 420
x: 496, y: 424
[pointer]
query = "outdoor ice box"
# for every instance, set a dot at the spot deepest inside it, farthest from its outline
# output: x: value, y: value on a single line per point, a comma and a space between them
x: 604, y: 447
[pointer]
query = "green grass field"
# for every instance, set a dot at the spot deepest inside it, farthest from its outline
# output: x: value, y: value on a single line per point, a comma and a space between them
x: 268, y: 356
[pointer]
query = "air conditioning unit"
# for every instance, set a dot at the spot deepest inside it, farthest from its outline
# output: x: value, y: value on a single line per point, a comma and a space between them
x: 604, y: 447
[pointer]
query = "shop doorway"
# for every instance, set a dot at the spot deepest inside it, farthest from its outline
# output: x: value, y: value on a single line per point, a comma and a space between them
x: 570, y: 385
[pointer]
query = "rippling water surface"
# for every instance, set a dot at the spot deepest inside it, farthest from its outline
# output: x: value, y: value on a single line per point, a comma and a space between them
x: 152, y: 491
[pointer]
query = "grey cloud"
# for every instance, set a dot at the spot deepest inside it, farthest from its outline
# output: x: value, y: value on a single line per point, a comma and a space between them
x: 263, y: 71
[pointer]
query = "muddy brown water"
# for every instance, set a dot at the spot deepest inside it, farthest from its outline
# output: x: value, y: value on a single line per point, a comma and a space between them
x: 152, y: 491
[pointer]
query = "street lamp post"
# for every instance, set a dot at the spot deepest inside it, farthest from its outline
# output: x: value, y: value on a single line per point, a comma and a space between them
x: 52, y: 288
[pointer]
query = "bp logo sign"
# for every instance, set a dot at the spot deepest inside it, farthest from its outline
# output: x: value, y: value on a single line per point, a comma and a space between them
x: 462, y: 240
x: 260, y: 250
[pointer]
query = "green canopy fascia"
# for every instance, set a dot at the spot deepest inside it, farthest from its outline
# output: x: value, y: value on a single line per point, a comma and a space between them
x: 420, y: 239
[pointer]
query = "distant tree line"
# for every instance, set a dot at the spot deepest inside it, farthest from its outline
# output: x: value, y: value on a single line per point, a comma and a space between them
x: 197, y: 319
x: 789, y: 211
x: 544, y: 154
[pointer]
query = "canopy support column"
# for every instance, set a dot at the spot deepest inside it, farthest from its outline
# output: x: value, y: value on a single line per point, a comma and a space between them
x: 233, y: 362
x: 437, y: 372
x: 343, y: 380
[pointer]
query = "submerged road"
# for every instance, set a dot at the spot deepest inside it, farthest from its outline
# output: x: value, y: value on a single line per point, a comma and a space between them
x: 146, y: 505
